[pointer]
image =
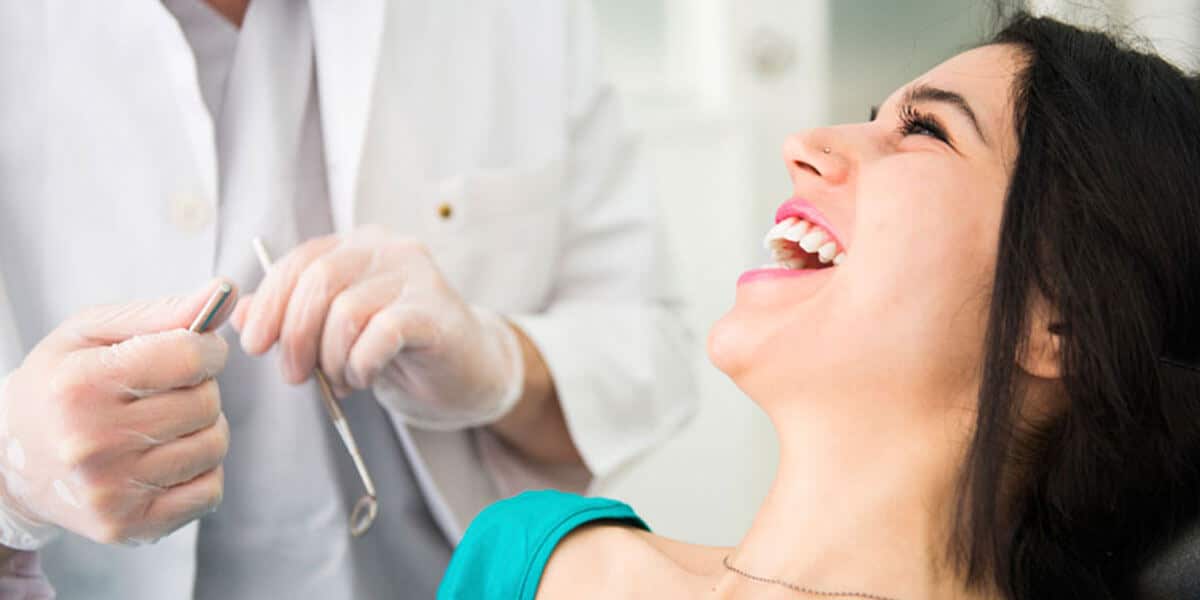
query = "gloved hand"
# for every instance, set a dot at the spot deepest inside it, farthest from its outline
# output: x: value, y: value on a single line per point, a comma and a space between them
x: 112, y: 426
x: 372, y: 310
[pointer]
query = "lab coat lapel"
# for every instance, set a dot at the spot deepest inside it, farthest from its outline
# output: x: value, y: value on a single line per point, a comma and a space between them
x: 347, y: 39
x: 201, y: 136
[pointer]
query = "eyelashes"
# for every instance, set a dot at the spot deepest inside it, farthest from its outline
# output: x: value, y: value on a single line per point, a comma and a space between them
x: 915, y: 122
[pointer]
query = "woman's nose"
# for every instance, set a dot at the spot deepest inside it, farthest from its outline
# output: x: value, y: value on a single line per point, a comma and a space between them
x: 816, y: 153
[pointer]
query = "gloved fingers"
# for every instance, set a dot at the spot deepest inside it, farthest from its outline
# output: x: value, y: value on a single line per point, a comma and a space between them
x: 116, y: 323
x: 348, y: 316
x: 181, y: 504
x: 147, y: 364
x: 397, y: 328
x: 73, y: 428
x: 184, y: 459
x: 110, y: 498
x: 322, y: 281
x: 174, y: 414
x: 238, y: 318
x: 264, y: 317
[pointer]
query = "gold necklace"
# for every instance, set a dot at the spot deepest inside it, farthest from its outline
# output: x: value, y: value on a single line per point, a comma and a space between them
x: 800, y: 589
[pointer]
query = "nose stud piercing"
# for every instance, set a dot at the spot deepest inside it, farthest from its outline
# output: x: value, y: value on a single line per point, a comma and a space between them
x: 826, y: 149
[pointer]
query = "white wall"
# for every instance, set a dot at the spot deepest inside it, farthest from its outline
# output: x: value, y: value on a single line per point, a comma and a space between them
x: 1172, y: 27
x: 713, y: 116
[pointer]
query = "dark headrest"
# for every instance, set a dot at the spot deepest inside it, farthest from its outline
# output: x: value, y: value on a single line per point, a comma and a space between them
x: 1175, y: 573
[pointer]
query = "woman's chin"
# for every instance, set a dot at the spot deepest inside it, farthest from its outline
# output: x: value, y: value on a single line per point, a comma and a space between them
x: 769, y: 353
x: 745, y: 344
x: 725, y: 346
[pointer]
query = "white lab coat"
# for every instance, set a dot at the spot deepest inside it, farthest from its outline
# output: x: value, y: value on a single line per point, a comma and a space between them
x: 492, y: 109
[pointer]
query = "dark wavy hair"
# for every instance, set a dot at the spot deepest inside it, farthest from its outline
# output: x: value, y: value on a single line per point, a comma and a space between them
x: 1102, y: 220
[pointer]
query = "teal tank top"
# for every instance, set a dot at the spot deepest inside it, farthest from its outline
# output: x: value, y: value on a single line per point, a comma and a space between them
x: 506, y: 548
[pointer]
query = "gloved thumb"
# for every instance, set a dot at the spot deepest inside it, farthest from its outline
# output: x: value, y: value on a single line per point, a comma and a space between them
x: 116, y: 323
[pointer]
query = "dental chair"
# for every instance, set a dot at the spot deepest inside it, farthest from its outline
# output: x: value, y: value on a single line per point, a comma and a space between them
x: 1175, y: 573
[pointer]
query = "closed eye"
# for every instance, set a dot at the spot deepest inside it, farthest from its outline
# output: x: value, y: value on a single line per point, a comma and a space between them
x: 915, y: 122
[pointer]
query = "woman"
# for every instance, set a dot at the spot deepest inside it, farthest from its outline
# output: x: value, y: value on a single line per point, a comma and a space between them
x: 976, y: 348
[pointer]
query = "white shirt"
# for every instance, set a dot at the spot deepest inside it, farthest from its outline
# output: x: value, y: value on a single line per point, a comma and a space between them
x: 281, y: 529
x: 110, y: 190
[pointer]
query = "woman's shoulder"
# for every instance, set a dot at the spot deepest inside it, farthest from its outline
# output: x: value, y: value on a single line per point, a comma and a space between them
x: 603, y: 561
x: 506, y: 548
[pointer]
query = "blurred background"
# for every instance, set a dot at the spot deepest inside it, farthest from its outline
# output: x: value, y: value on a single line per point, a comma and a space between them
x: 713, y: 87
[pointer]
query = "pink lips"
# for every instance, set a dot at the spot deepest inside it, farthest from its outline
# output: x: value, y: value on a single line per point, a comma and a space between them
x: 762, y: 274
x: 800, y: 209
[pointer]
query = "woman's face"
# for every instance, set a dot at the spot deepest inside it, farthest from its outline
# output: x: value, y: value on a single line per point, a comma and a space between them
x: 913, y: 199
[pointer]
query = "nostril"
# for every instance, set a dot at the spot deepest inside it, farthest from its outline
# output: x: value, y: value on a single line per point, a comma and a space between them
x: 803, y: 166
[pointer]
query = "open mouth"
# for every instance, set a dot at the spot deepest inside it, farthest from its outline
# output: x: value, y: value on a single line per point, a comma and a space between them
x: 801, y: 240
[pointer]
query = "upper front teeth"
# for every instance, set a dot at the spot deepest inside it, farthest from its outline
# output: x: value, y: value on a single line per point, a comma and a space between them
x: 776, y: 232
x: 813, y: 240
x: 796, y: 232
x: 788, y: 237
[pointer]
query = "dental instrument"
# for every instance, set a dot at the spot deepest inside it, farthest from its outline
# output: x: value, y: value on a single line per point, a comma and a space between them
x: 211, y: 308
x: 367, y: 507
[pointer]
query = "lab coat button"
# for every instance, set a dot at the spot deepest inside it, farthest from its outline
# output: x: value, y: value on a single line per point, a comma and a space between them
x: 445, y: 211
x: 190, y: 213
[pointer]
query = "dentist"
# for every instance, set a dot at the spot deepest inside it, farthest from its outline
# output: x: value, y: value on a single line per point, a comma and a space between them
x: 465, y: 241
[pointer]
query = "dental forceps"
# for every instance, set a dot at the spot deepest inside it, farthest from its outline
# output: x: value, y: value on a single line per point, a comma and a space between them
x: 367, y: 506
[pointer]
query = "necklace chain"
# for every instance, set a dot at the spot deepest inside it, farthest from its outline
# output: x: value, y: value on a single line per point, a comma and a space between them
x: 800, y: 589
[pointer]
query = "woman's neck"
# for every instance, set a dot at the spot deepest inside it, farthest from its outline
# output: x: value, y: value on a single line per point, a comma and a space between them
x: 866, y: 510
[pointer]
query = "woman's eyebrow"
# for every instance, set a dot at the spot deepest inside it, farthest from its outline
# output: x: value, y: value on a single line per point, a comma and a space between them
x: 927, y: 93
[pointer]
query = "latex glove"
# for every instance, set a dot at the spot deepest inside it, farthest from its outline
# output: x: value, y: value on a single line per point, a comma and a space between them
x: 372, y: 310
x: 112, y: 426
